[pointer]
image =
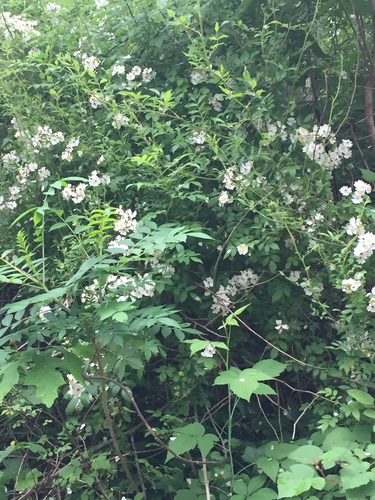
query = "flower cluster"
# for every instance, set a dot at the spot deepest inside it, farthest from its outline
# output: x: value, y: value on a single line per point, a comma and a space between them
x: 130, y: 287
x: 75, y: 388
x: 74, y: 193
x: 354, y: 227
x: 123, y: 287
x: 360, y: 189
x: 232, y: 178
x: 119, y: 120
x: 53, y: 7
x: 198, y: 76
x: 95, y: 180
x: 126, y: 222
x: 239, y: 283
x: 198, y: 137
x: 365, y: 247
x: 145, y: 74
x: 280, y: 326
x: 46, y: 138
x: 67, y: 154
x: 216, y: 102
x: 320, y: 144
x: 90, y: 62
x: 12, y: 24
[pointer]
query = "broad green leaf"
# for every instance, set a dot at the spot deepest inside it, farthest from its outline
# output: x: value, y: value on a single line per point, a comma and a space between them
x: 241, y: 383
x: 332, y: 457
x: 306, y: 454
x: 361, y: 396
x: 368, y: 175
x: 270, y: 367
x: 239, y: 487
x: 255, y: 484
x: 340, y: 436
x: 369, y: 413
x: 269, y: 466
x: 264, y: 494
x: 206, y: 443
x: 196, y: 430
x: 9, y: 379
x: 27, y: 478
x: 45, y: 377
x: 180, y: 444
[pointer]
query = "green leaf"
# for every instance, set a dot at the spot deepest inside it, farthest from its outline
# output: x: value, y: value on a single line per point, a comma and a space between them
x: 269, y: 466
x: 45, y: 377
x: 369, y: 413
x: 270, y: 367
x: 241, y: 383
x: 181, y: 444
x: 206, y: 443
x: 361, y: 396
x: 10, y: 378
x: 199, y: 345
x: 306, y: 454
x: 368, y: 175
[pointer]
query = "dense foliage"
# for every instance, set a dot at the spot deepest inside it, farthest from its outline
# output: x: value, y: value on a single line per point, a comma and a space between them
x: 187, y: 269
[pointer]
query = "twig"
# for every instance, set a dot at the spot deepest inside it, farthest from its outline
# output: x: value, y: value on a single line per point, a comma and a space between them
x: 143, y: 419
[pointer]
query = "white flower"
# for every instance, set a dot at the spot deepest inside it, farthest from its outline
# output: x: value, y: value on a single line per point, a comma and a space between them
x: 350, y: 285
x: 136, y: 70
x: 208, y: 352
x: 242, y: 249
x: 52, y: 7
x: 147, y: 74
x: 295, y: 276
x: 246, y: 167
x: 90, y: 62
x: 42, y: 311
x: 357, y: 199
x: 215, y: 102
x: 94, y: 102
x: 280, y: 326
x: 362, y: 188
x: 100, y: 160
x: 355, y: 226
x: 119, y: 120
x: 94, y: 179
x: 371, y: 306
x: 118, y: 69
x: 75, y: 388
x: 101, y: 3
x: 43, y: 173
x: 130, y: 77
x: 198, y: 137
x: 198, y: 76
x: 224, y: 198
